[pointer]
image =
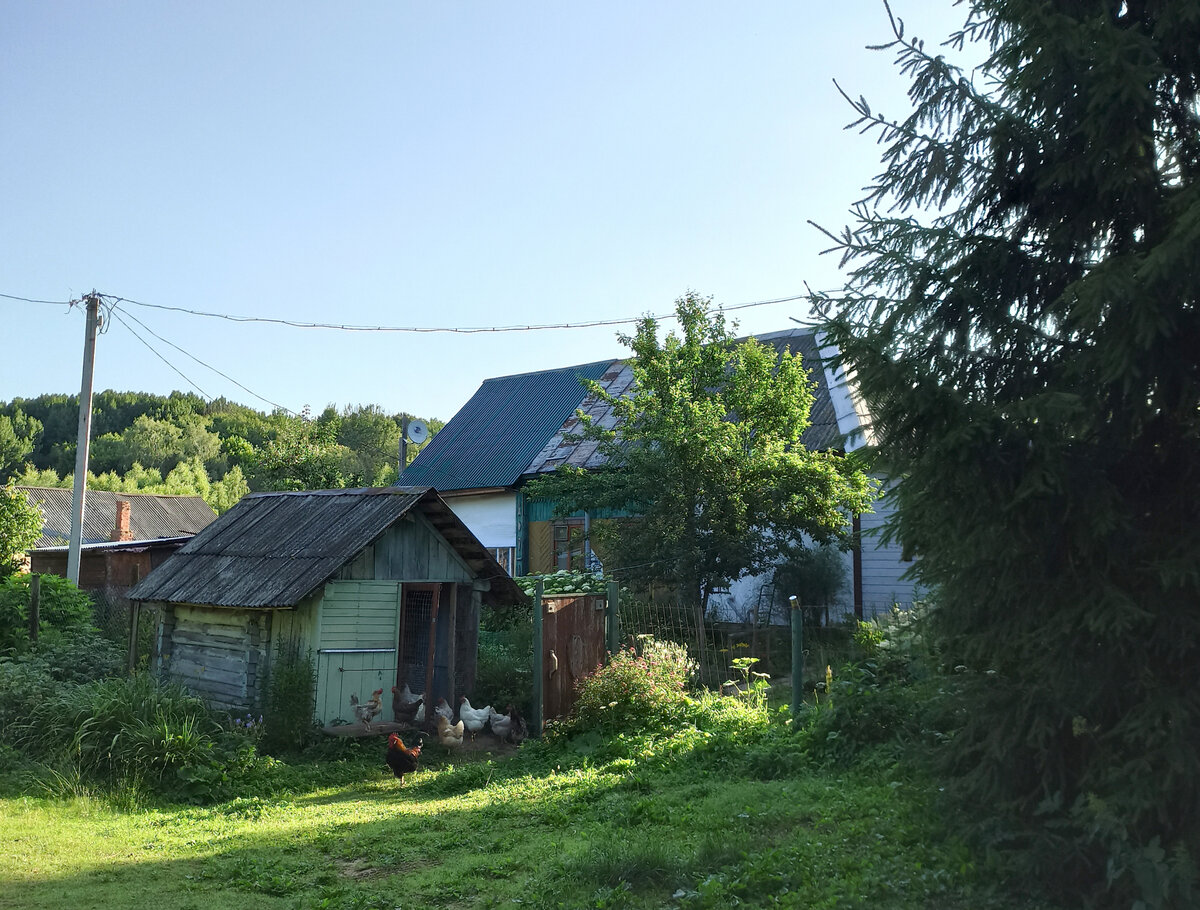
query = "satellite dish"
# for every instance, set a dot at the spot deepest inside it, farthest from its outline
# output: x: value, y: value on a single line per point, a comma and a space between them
x: 417, y: 432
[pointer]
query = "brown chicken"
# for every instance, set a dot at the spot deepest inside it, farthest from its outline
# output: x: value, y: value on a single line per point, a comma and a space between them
x: 405, y: 705
x: 400, y: 758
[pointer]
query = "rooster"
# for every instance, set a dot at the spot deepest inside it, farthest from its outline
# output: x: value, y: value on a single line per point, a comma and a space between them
x: 449, y: 735
x: 518, y: 729
x: 473, y: 718
x: 401, y: 758
x: 365, y: 713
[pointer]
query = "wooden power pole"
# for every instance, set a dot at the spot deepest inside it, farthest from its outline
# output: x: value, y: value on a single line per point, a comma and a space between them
x: 79, y: 491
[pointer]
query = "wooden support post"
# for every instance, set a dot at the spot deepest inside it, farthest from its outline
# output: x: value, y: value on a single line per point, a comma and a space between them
x: 35, y: 607
x: 134, y: 611
x: 539, y: 662
x: 431, y: 655
x: 612, y: 618
x: 797, y: 656
x: 452, y: 645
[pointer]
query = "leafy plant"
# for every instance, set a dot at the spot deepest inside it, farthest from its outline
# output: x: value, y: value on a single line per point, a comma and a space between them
x: 291, y: 699
x: 62, y: 607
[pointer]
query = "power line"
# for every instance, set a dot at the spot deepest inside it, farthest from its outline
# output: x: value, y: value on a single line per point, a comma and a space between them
x: 207, y: 366
x: 49, y: 302
x: 461, y: 330
x: 152, y: 350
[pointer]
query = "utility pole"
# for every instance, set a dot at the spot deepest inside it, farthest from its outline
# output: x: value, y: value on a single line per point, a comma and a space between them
x: 79, y: 491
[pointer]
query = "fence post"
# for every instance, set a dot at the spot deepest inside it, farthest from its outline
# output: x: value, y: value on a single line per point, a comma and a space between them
x: 539, y: 658
x: 35, y: 607
x: 797, y: 655
x: 611, y: 617
x: 135, y: 607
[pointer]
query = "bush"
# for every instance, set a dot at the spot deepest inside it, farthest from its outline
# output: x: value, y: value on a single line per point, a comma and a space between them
x: 291, y: 703
x: 62, y: 607
x: 126, y: 730
x: 40, y: 673
x: 504, y: 672
x: 634, y: 692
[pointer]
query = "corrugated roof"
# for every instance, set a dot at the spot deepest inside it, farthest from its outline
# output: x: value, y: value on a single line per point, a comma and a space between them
x: 273, y: 549
x: 492, y: 439
x: 150, y: 515
x: 515, y: 425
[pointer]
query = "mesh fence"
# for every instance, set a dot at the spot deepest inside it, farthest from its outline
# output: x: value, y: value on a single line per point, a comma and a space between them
x: 113, y: 614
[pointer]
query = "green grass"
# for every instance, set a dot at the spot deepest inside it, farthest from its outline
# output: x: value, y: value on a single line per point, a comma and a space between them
x: 683, y: 821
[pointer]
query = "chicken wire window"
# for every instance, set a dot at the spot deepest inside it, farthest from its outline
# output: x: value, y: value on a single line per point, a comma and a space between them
x: 414, y: 638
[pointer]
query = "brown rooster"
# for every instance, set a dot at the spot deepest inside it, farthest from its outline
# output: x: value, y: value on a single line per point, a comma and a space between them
x: 400, y: 758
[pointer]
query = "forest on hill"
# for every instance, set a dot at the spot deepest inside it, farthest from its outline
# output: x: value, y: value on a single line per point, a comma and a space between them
x: 183, y: 444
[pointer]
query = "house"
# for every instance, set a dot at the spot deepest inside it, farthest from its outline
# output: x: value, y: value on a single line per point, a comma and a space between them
x: 382, y: 586
x: 148, y: 516
x: 517, y: 427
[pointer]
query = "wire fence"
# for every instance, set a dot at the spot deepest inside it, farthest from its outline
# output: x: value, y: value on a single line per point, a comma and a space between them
x: 114, y: 615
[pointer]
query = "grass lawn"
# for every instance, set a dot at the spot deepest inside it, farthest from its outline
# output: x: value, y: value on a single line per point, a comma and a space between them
x: 675, y: 822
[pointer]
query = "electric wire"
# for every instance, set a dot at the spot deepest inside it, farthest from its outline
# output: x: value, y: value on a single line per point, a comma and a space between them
x: 153, y: 351
x: 207, y: 366
x: 461, y: 330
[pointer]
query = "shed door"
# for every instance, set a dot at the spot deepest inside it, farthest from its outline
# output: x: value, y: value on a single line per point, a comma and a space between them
x: 356, y: 650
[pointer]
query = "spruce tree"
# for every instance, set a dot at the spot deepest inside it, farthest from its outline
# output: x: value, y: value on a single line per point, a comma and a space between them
x: 1022, y: 318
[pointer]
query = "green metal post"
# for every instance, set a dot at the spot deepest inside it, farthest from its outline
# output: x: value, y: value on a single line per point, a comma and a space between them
x: 797, y: 656
x: 611, y: 617
x: 539, y: 662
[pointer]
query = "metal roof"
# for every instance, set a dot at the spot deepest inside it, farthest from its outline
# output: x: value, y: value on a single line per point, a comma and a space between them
x: 490, y: 442
x: 150, y: 515
x: 273, y: 549
x: 516, y: 425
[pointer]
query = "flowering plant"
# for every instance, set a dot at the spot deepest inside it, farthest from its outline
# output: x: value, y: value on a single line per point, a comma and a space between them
x: 639, y: 689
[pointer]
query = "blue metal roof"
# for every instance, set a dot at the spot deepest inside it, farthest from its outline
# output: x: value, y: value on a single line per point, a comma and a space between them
x: 494, y: 437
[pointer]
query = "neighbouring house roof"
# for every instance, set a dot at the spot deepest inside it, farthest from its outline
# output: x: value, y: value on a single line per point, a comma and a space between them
x: 494, y: 436
x: 506, y: 431
x: 151, y: 515
x: 273, y: 549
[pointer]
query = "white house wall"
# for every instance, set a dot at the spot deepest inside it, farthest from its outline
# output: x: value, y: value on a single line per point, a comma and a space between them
x: 492, y: 517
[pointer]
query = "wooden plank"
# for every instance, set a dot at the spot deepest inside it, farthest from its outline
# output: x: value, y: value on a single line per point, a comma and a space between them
x: 430, y: 696
x: 451, y: 641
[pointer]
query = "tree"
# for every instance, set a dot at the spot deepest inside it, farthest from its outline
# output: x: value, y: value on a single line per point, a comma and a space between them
x: 1023, y: 315
x: 706, y: 461
x: 18, y: 435
x: 20, y: 528
x: 304, y: 455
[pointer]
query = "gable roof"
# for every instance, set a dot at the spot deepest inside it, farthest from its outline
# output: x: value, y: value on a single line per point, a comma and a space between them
x: 505, y: 421
x: 151, y: 515
x: 273, y: 549
x: 490, y: 442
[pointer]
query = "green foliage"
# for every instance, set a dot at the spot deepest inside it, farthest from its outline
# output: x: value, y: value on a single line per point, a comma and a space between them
x: 304, y: 455
x: 59, y: 658
x: 637, y: 690
x: 62, y: 607
x: 18, y: 435
x: 1028, y: 357
x: 20, y: 527
x: 707, y: 461
x: 504, y: 669
x: 564, y: 581
x: 291, y: 699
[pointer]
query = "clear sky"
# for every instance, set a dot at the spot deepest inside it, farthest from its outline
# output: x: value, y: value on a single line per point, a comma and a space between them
x: 416, y: 164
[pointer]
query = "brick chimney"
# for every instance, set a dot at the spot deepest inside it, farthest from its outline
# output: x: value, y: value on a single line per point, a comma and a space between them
x: 121, y: 530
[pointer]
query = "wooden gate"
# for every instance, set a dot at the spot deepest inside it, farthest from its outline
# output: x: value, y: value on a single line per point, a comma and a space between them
x: 573, y: 641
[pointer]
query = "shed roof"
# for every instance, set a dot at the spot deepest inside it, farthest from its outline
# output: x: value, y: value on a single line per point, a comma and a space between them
x: 493, y: 438
x: 151, y: 515
x: 273, y: 549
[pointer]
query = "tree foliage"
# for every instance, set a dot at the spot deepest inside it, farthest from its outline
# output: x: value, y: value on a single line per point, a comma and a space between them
x: 20, y: 527
x: 1022, y: 316
x: 706, y: 461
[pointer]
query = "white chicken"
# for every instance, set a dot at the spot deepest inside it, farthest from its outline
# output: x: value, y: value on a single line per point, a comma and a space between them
x: 474, y: 718
x: 501, y: 725
x: 443, y: 709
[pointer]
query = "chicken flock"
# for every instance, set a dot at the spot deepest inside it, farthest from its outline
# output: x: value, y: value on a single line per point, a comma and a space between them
x: 408, y: 708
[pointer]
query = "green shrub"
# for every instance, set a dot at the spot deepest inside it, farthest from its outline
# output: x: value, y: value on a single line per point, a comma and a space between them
x: 291, y: 700
x: 58, y: 658
x: 62, y: 607
x: 130, y: 729
x: 504, y: 671
x: 634, y: 691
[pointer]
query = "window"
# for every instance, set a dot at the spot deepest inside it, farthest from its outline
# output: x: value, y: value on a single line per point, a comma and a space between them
x: 569, y: 545
x: 504, y: 556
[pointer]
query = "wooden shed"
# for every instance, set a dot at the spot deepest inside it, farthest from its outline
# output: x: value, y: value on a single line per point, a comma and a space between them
x: 381, y: 586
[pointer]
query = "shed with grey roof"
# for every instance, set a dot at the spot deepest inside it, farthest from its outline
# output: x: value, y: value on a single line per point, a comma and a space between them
x: 380, y: 586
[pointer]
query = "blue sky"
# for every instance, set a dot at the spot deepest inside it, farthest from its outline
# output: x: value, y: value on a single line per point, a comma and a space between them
x: 416, y: 164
